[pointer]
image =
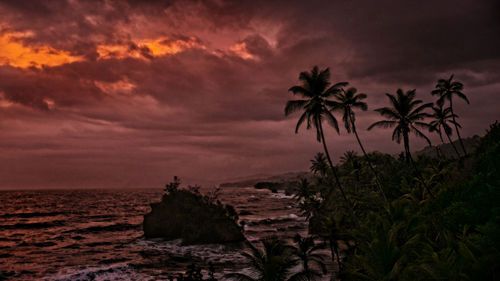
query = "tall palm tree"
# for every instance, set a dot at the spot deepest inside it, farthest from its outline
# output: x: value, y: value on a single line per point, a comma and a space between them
x: 273, y: 263
x: 441, y: 118
x: 316, y: 91
x: 313, y: 266
x: 447, y: 89
x: 347, y: 102
x: 405, y: 115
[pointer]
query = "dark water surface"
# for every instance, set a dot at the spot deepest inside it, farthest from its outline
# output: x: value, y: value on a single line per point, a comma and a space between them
x: 97, y: 234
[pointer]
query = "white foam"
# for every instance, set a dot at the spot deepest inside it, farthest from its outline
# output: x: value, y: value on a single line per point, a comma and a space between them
x: 208, y: 252
x: 118, y: 272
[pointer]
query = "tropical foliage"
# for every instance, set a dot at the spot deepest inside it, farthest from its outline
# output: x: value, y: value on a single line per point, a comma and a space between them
x: 439, y: 223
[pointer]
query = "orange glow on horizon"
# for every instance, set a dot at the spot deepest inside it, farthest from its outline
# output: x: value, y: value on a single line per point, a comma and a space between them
x: 14, y: 53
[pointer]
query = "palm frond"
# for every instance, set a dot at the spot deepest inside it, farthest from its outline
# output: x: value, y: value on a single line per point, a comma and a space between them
x: 302, y: 118
x: 388, y: 112
x: 462, y: 96
x: 332, y: 121
x: 300, y: 90
x: 418, y: 133
x: 294, y: 105
x: 396, y: 135
x: 383, y: 124
x: 361, y: 105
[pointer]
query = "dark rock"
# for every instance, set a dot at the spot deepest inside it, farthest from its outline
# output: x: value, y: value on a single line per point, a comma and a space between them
x: 268, y: 185
x: 192, y: 218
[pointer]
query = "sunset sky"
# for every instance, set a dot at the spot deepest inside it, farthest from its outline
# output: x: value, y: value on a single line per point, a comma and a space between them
x: 130, y: 93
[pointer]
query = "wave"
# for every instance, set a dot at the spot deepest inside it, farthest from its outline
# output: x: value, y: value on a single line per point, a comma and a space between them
x: 32, y: 215
x: 107, y: 228
x: 119, y: 271
x: 35, y: 225
x: 272, y: 221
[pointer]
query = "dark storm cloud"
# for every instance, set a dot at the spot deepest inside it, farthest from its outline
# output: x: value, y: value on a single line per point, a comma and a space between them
x: 216, y: 106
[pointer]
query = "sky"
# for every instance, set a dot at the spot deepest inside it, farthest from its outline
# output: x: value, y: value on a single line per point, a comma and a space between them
x: 124, y: 94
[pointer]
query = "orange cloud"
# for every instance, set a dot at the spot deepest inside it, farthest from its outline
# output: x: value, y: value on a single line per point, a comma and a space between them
x: 123, y: 86
x: 147, y: 47
x: 240, y: 49
x: 13, y: 52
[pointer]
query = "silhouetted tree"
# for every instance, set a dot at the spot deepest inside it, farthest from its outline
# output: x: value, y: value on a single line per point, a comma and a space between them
x: 350, y: 159
x: 331, y: 231
x: 272, y: 263
x: 440, y: 121
x: 316, y: 90
x: 312, y: 263
x: 347, y: 102
x: 404, y: 115
x: 447, y: 89
x: 319, y: 165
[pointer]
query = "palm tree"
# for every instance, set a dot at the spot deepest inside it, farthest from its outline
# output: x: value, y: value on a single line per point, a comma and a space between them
x: 350, y: 158
x: 272, y: 263
x: 405, y: 116
x: 447, y: 89
x: 304, y: 190
x: 316, y: 90
x: 347, y: 102
x: 306, y: 197
x: 332, y: 231
x: 319, y: 165
x: 313, y: 266
x: 440, y: 121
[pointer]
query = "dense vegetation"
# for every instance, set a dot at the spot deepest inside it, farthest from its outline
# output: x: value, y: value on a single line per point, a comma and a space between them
x: 406, y: 218
x: 453, y: 235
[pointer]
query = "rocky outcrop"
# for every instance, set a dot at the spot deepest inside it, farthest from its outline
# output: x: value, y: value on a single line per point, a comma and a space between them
x: 193, y: 218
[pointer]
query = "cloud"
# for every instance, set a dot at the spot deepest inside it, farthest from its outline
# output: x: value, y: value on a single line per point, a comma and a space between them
x: 147, y: 49
x: 14, y: 53
x: 129, y: 93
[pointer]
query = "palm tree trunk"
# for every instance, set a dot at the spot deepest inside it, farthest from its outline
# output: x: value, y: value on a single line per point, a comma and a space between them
x: 454, y: 147
x: 335, y: 253
x: 456, y: 128
x: 438, y: 152
x: 368, y: 159
x: 442, y: 141
x: 406, y: 141
x: 331, y: 165
x: 410, y: 159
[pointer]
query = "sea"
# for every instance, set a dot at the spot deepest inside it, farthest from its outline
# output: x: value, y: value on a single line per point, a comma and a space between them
x: 97, y: 234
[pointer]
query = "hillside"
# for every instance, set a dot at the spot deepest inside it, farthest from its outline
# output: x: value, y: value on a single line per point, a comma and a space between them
x: 447, y: 150
x: 287, y: 179
x: 280, y: 178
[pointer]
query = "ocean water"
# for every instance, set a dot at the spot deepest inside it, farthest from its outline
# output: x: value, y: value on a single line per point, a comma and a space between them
x: 97, y: 234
